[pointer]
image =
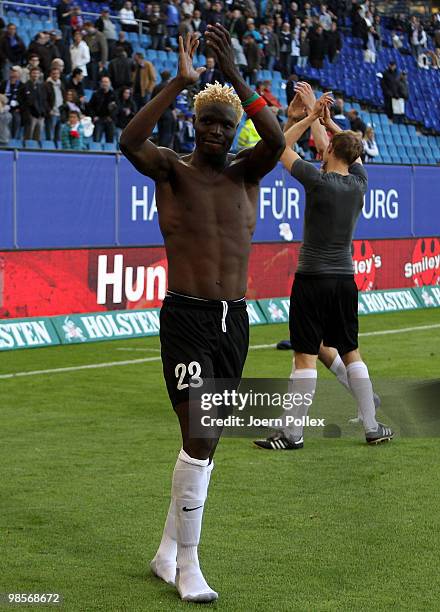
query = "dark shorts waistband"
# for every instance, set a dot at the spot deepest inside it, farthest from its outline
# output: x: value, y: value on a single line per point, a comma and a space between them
x: 306, y: 276
x: 191, y: 301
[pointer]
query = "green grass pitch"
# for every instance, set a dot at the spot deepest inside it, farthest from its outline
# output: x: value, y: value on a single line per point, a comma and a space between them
x: 86, y: 458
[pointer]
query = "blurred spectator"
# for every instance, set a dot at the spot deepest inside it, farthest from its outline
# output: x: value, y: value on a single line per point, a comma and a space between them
x: 98, y: 48
x: 12, y: 49
x: 290, y: 88
x: 71, y: 103
x: 102, y: 107
x: 72, y: 133
x: 127, y: 19
x: 123, y: 44
x: 63, y: 20
x: 389, y: 87
x: 215, y: 14
x: 338, y: 115
x: 251, y: 29
x: 402, y: 94
x: 304, y: 49
x: 378, y: 30
x: 34, y: 62
x: 158, y: 29
x: 75, y: 82
x: 119, y: 70
x: 264, y: 89
x: 370, y: 147
x: 326, y: 18
x: 62, y: 50
x: 397, y: 40
x: 239, y: 56
x: 294, y: 50
x: 187, y: 7
x: 185, y: 26
x: 125, y: 108
x: 55, y: 98
x: 143, y: 79
x: 356, y: 123
x: 237, y: 25
x: 45, y: 50
x: 248, y: 135
x: 370, y: 39
x: 105, y: 25
x: 185, y: 135
x: 76, y: 19
x: 166, y: 124
x: 419, y: 41
x: 199, y: 28
x: 12, y: 88
x: 35, y: 106
x: 285, y: 43
x: 271, y: 46
x: 5, y: 121
x: 252, y: 54
x: 317, y: 47
x: 79, y: 53
x: 172, y: 17
x: 334, y: 41
x: 211, y: 74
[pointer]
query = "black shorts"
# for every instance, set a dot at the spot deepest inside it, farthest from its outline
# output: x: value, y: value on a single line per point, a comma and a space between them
x: 323, y: 309
x: 201, y: 339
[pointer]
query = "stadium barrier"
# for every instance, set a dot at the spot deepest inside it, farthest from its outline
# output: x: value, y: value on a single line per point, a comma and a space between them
x: 71, y: 200
x: 120, y: 325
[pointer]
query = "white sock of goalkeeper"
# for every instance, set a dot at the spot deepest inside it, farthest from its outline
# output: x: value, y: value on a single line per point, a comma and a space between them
x: 302, y: 387
x: 362, y: 389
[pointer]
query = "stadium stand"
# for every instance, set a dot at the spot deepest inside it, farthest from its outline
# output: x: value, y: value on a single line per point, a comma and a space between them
x: 416, y: 140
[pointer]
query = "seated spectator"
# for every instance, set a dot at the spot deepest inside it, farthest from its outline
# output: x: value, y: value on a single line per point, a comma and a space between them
x: 339, y: 117
x: 128, y: 22
x: 125, y: 108
x: 397, y: 40
x: 13, y: 90
x: 356, y: 123
x: 102, y: 107
x: 72, y: 133
x: 55, y: 95
x: 12, y: 49
x: 248, y: 135
x: 5, y: 121
x: 79, y: 53
x: 143, y: 79
x: 211, y: 74
x: 370, y: 146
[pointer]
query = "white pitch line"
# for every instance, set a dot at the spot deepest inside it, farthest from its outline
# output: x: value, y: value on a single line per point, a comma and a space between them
x: 147, y: 350
x: 111, y: 364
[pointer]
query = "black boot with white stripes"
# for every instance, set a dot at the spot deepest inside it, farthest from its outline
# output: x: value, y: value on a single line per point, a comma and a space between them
x: 278, y: 441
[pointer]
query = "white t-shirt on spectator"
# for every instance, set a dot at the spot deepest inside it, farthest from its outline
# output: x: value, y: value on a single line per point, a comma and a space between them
x: 127, y: 16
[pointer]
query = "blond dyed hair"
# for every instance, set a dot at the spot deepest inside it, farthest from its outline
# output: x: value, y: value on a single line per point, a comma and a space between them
x: 216, y: 93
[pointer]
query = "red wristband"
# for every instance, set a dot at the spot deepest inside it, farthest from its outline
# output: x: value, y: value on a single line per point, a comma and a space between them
x: 255, y: 107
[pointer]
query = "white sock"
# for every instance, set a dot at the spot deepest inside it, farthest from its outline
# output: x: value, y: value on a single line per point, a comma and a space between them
x: 189, y: 490
x: 362, y: 389
x: 304, y: 383
x: 339, y: 370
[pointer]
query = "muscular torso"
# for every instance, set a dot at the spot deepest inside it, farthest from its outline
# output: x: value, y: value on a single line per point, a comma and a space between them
x: 207, y: 220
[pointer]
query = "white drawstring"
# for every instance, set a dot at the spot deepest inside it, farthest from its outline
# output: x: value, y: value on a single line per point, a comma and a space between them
x: 225, y: 312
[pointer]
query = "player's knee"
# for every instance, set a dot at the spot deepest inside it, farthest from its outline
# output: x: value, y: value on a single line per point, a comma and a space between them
x: 351, y: 357
x: 199, y: 448
x: 304, y: 361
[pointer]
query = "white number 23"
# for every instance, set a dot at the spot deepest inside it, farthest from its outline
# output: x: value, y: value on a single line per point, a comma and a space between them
x: 194, y: 371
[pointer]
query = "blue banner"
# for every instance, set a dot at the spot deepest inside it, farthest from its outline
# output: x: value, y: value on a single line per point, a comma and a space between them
x: 138, y: 223
x: 84, y: 200
x: 427, y: 201
x: 65, y: 200
x: 7, y: 199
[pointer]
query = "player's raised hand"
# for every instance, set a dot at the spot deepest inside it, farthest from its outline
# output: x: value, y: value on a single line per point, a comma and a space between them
x: 326, y: 100
x: 187, y: 48
x: 307, y: 95
x: 219, y: 40
x: 296, y: 109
